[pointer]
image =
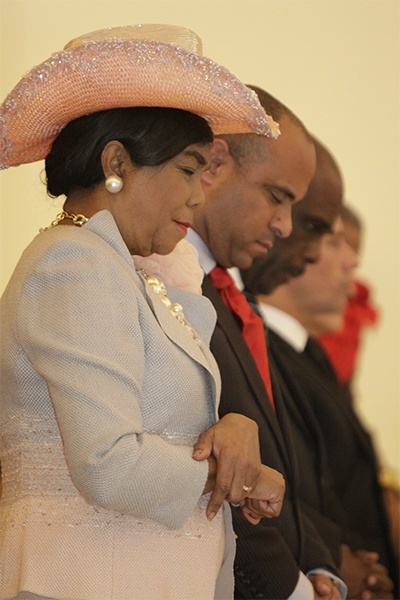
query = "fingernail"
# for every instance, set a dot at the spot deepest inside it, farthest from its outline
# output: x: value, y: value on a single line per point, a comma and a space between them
x: 211, y: 516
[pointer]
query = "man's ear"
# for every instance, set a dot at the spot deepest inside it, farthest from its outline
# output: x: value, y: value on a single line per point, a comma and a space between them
x: 220, y: 157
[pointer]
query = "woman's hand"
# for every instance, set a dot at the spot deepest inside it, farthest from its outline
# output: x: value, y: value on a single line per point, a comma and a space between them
x: 233, y: 441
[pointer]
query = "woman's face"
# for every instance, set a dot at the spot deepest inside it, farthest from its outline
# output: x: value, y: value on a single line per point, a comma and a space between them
x: 155, y: 207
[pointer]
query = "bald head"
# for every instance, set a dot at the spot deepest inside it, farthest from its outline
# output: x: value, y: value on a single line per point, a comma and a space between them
x: 276, y: 109
x: 312, y: 218
x: 247, y: 148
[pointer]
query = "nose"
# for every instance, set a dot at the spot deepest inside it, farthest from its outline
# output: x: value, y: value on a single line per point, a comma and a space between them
x: 350, y: 260
x: 281, y: 222
x: 196, y: 197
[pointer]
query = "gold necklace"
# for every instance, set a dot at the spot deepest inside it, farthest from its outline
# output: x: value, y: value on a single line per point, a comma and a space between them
x: 77, y: 220
x: 174, y: 308
x: 156, y: 285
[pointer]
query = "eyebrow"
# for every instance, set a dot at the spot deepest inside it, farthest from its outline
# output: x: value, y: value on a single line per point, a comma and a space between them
x: 199, y: 157
x: 320, y: 222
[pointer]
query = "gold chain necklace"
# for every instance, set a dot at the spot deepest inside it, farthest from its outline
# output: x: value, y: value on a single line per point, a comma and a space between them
x: 77, y: 220
x: 174, y: 308
x: 156, y: 285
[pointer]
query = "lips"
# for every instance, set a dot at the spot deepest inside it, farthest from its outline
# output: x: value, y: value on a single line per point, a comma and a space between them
x: 183, y: 226
x: 265, y: 245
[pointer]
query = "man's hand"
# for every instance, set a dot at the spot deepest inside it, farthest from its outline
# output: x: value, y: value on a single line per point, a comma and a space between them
x: 364, y: 576
x: 266, y: 499
x: 324, y: 588
x: 233, y: 441
x: 378, y: 584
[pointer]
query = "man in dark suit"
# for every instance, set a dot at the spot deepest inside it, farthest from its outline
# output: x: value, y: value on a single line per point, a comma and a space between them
x: 340, y: 485
x: 250, y: 189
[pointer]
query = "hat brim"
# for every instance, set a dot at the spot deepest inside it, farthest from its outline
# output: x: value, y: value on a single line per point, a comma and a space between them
x: 114, y: 74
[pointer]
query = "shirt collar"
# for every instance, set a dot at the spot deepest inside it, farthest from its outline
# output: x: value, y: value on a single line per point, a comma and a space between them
x: 286, y: 326
x: 206, y: 259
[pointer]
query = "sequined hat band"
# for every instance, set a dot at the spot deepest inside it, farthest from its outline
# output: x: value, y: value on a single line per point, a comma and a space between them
x: 139, y: 65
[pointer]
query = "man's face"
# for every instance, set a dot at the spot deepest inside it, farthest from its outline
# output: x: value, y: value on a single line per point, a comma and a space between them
x: 249, y: 207
x: 325, y: 286
x: 312, y: 218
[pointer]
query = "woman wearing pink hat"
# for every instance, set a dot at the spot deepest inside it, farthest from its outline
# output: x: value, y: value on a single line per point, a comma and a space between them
x: 107, y: 378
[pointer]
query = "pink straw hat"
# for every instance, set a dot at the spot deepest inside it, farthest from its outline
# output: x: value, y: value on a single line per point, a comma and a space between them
x: 139, y: 65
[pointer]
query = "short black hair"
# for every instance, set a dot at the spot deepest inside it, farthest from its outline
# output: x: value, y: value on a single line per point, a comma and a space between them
x: 350, y: 216
x: 151, y: 136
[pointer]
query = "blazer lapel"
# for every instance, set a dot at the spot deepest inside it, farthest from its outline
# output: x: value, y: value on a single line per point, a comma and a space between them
x: 179, y: 335
x: 232, y: 332
x: 175, y: 330
x: 299, y: 410
x: 321, y: 378
x: 103, y: 225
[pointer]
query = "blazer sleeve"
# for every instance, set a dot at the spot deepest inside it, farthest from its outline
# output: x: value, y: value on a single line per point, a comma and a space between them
x: 80, y: 327
x: 264, y: 564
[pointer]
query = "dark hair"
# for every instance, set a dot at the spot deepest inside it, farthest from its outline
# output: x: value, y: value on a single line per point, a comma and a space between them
x: 246, y: 147
x: 151, y: 135
x: 350, y: 216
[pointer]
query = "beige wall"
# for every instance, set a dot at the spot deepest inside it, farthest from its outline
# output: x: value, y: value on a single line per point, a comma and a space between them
x: 334, y: 62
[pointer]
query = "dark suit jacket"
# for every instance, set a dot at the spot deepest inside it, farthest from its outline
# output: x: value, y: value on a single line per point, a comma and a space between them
x: 269, y: 555
x: 330, y: 438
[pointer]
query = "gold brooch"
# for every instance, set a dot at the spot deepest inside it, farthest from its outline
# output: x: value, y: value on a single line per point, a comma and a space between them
x: 174, y: 308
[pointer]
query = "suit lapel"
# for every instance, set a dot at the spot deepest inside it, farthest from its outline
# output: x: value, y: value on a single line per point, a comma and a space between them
x: 321, y: 379
x: 300, y: 411
x: 297, y: 404
x: 233, y: 334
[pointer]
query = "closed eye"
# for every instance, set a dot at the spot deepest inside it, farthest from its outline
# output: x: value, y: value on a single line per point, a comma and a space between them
x: 276, y: 199
x: 279, y: 195
x: 187, y: 171
x: 318, y: 227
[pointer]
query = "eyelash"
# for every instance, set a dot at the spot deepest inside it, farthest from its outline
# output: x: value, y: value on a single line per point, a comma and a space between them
x: 275, y: 199
x: 316, y: 228
x: 187, y: 171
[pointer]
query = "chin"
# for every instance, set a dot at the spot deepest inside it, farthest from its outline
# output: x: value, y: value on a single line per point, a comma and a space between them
x: 243, y: 261
x: 167, y: 248
x: 332, y: 323
x: 274, y: 282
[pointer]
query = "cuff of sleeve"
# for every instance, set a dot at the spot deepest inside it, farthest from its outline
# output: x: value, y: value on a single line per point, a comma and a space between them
x: 303, y: 590
x: 340, y: 584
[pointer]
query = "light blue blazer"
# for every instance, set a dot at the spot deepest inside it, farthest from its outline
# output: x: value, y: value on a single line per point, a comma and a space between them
x: 104, y: 393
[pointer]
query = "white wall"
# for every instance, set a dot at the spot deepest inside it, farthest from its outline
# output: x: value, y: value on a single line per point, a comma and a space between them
x: 334, y: 62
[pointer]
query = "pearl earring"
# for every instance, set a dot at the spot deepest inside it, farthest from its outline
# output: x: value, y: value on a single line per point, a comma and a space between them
x: 114, y: 184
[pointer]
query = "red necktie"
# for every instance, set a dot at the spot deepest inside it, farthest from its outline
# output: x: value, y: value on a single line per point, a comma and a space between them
x: 251, y: 324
